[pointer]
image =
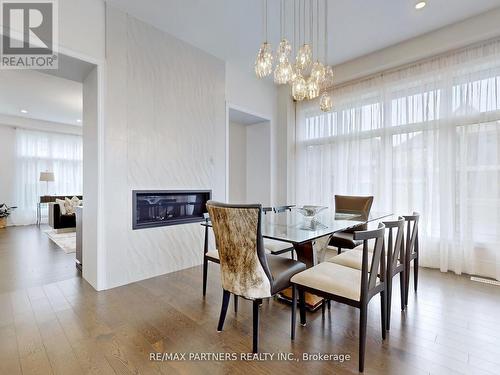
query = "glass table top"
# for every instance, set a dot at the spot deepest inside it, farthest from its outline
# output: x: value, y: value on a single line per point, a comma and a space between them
x: 292, y: 226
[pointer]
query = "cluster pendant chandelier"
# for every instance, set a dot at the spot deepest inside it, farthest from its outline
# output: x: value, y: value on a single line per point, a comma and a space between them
x: 307, y: 75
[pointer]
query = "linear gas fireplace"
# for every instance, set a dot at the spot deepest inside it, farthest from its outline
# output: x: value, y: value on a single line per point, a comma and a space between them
x: 156, y: 208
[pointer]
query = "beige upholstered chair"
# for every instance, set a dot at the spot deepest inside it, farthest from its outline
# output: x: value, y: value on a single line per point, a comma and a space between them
x: 246, y: 270
x: 395, y: 261
x: 348, y: 285
x: 350, y: 204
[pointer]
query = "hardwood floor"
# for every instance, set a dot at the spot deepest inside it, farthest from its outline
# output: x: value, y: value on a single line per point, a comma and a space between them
x: 65, y: 327
x: 29, y: 258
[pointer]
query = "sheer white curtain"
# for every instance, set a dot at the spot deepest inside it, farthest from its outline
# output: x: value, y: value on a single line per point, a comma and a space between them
x: 423, y: 138
x: 43, y: 151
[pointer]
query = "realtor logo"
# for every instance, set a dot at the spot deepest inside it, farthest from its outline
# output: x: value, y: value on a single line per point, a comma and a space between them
x: 29, y: 39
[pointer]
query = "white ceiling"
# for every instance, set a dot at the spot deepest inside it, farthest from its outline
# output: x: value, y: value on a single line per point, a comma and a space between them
x: 45, y: 97
x: 232, y: 29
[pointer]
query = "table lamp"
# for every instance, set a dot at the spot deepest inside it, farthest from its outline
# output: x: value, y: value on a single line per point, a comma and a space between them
x: 47, y: 177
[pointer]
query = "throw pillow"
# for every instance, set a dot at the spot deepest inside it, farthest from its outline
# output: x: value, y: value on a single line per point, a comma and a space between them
x: 75, y: 201
x: 62, y: 206
x: 70, y: 209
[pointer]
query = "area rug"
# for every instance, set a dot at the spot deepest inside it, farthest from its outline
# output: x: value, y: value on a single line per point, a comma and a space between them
x: 66, y: 241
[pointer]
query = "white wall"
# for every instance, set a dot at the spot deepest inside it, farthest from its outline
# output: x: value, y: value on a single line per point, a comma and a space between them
x: 237, y: 163
x: 7, y: 166
x: 249, y: 94
x: 90, y: 227
x: 165, y: 129
x: 250, y: 163
x: 81, y: 28
x: 258, y: 169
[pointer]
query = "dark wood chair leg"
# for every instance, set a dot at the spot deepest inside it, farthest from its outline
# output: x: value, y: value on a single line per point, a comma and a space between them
x: 205, y: 271
x: 293, y: 255
x: 323, y: 307
x: 235, y: 303
x: 407, y: 282
x: 362, y: 336
x: 329, y: 304
x: 415, y: 273
x: 223, y: 310
x: 402, y: 289
x: 294, y: 311
x: 256, y: 304
x: 302, y: 304
x: 339, y: 250
x: 389, y: 302
x: 383, y: 312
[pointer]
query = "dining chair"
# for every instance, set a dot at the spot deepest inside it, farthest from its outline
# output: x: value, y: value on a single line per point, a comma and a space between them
x: 246, y: 270
x: 395, y: 261
x: 213, y: 255
x: 350, y: 204
x: 411, y: 251
x: 277, y: 247
x: 348, y: 285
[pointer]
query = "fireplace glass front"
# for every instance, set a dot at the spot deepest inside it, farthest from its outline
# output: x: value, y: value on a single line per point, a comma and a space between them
x: 154, y: 208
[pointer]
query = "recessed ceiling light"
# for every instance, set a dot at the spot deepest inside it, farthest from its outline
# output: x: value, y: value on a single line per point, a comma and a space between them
x: 78, y: 120
x: 420, y: 4
x: 24, y: 111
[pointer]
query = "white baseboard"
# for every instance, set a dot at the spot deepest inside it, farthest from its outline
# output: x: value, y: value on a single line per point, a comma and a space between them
x: 485, y: 281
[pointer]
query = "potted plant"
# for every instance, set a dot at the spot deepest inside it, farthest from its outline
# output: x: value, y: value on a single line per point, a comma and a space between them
x: 5, y: 212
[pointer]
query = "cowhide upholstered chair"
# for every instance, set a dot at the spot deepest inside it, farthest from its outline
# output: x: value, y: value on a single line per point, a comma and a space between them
x: 350, y: 204
x: 348, y: 285
x: 246, y: 270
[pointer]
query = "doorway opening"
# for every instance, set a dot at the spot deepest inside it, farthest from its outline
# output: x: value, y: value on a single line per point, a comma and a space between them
x: 249, y: 155
x: 48, y: 122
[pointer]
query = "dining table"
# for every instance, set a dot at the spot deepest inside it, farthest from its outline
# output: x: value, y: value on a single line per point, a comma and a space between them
x: 309, y: 235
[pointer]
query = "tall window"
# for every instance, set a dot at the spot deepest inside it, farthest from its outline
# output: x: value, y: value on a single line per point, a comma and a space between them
x: 424, y: 138
x: 42, y: 151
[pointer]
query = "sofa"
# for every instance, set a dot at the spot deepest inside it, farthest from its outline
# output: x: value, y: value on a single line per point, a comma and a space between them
x: 57, y: 220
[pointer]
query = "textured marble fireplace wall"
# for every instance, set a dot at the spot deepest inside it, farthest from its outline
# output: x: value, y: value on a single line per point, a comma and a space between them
x: 164, y: 129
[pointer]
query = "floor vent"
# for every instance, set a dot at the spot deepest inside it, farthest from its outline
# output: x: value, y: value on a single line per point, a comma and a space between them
x: 485, y: 281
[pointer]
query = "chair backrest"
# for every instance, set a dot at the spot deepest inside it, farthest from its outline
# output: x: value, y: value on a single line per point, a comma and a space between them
x: 377, y: 269
x: 395, y: 248
x: 412, y: 233
x: 279, y: 209
x: 243, y: 262
x: 351, y: 204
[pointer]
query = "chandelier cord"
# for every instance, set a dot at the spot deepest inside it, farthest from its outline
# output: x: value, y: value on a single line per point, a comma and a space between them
x: 304, y: 21
x: 326, y: 32
x: 281, y: 19
x: 311, y: 22
x: 294, y: 21
x: 265, y: 19
x: 316, y: 14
